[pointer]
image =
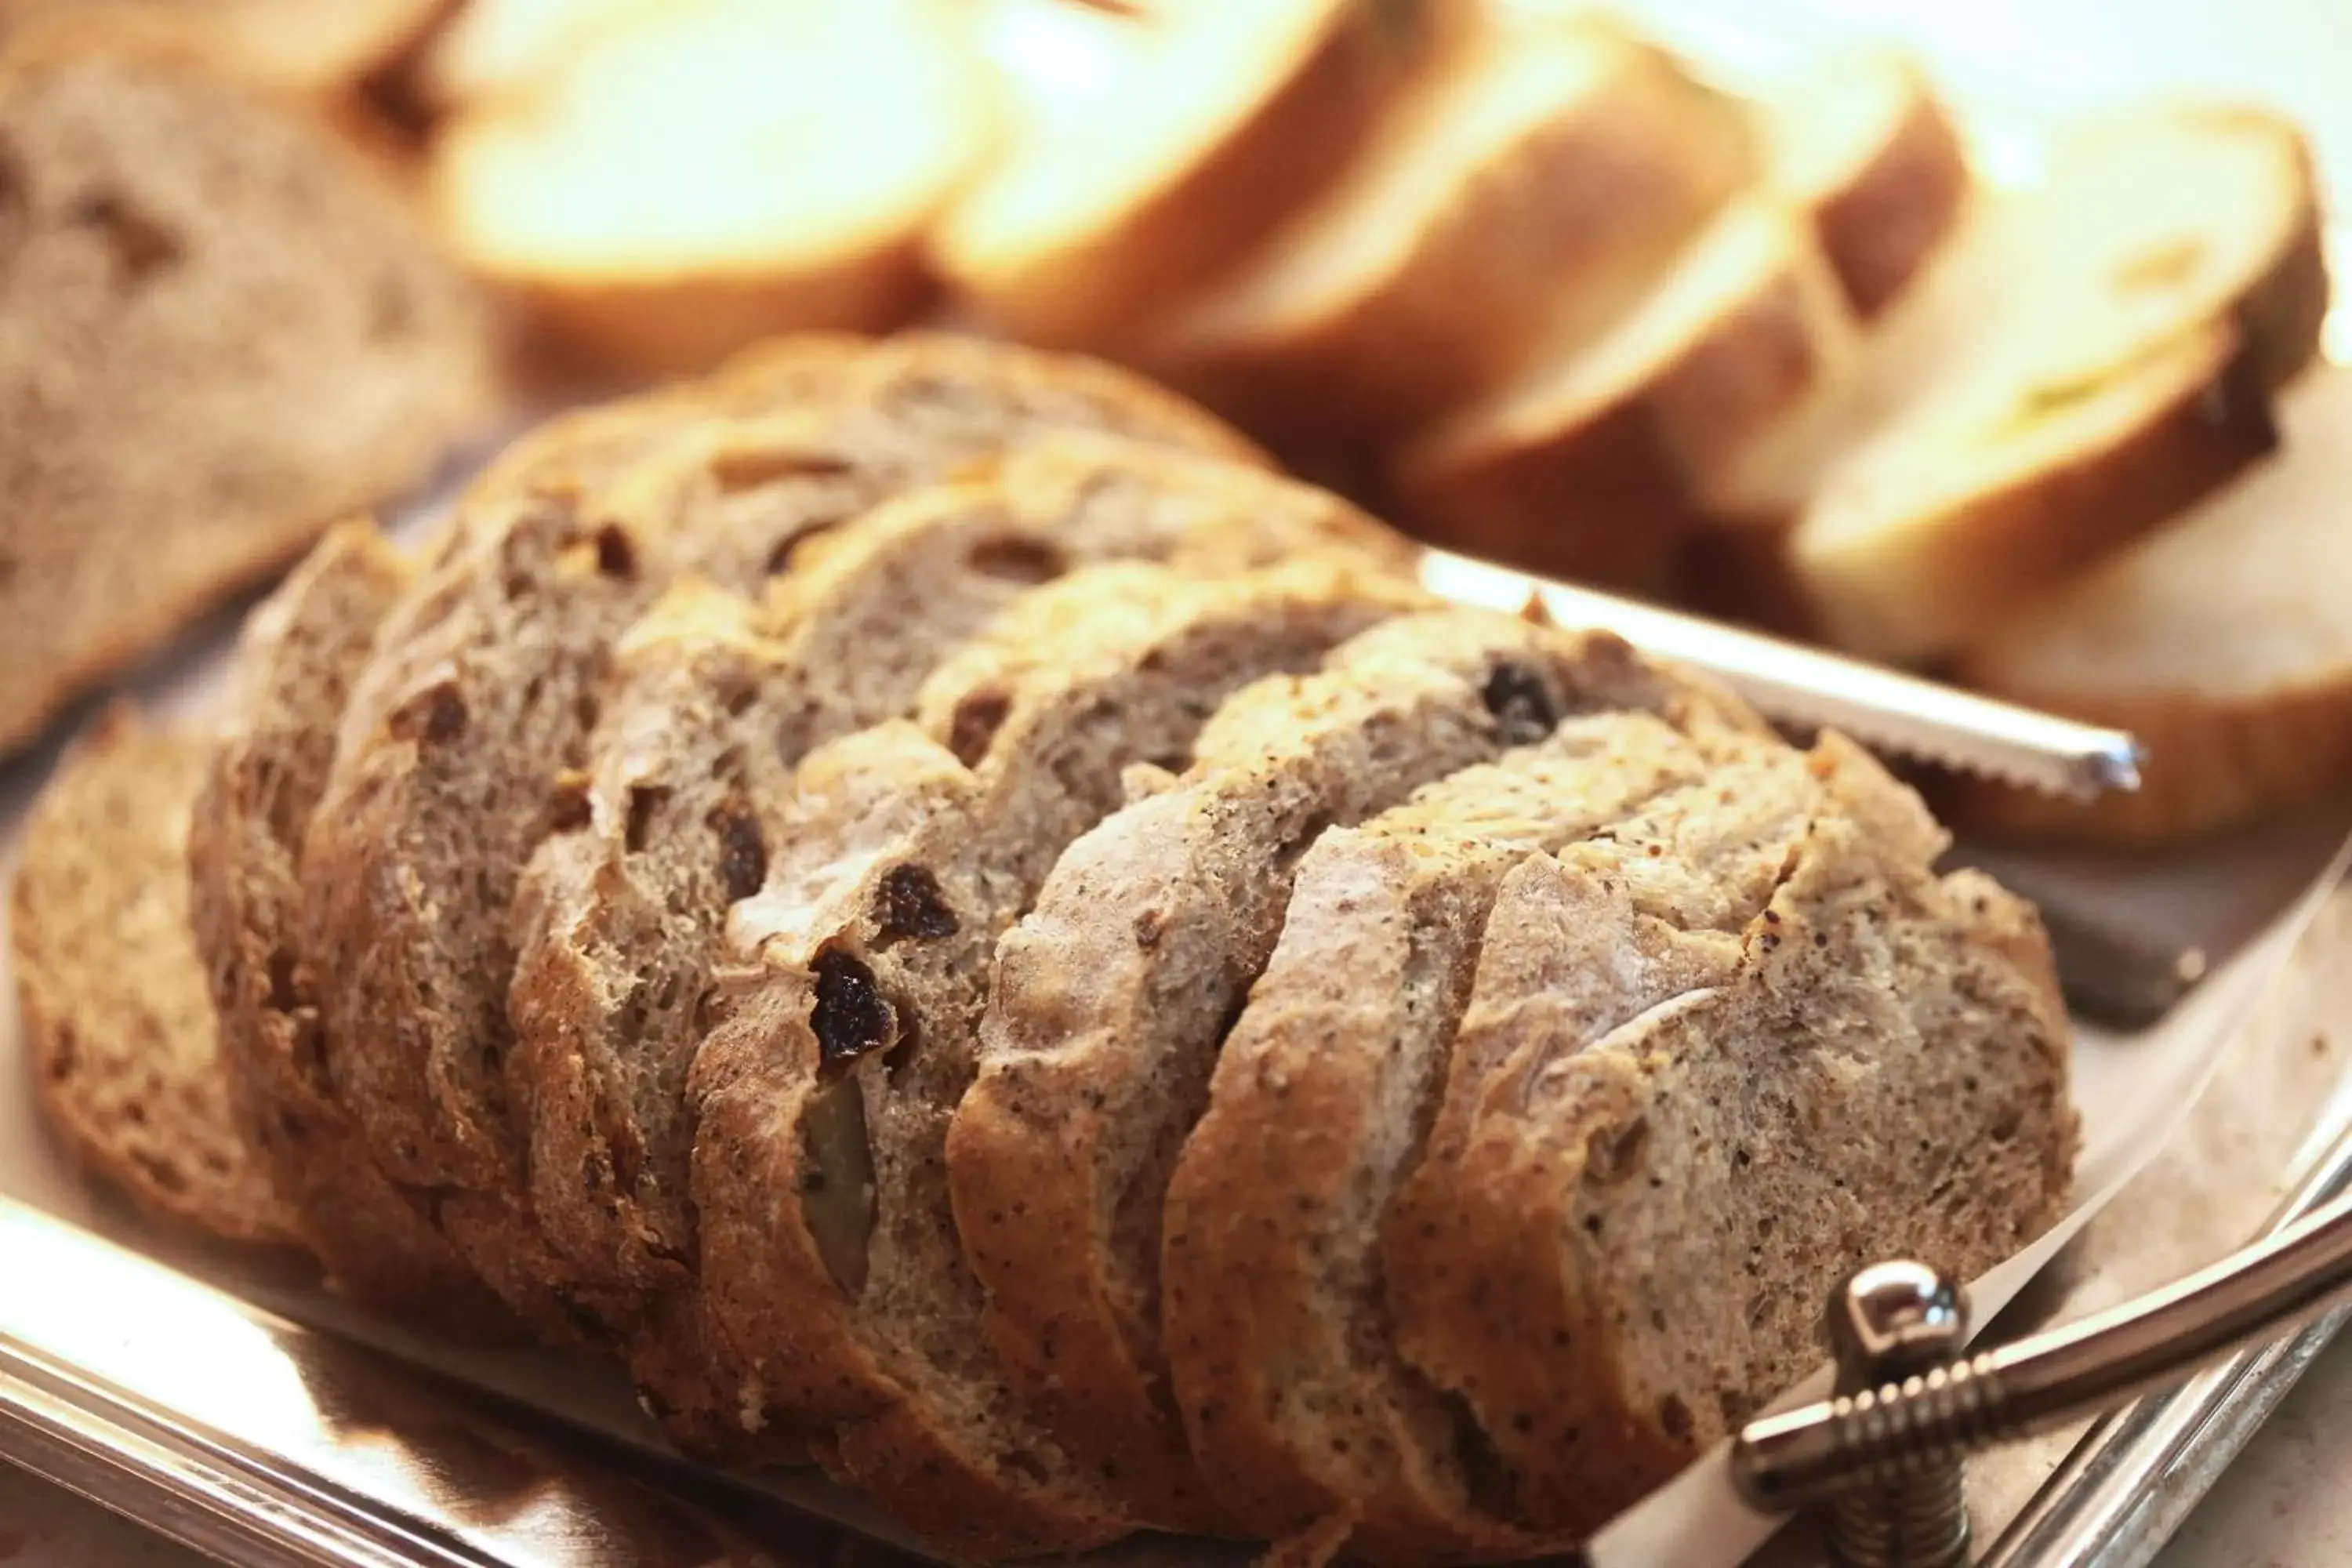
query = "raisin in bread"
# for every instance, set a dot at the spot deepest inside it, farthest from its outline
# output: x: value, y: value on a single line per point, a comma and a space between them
x: 220, y: 331
x: 715, y: 699
x: 271, y: 751
x: 1110, y: 996
x: 829, y: 1249
x: 120, y: 1035
x: 1877, y: 1069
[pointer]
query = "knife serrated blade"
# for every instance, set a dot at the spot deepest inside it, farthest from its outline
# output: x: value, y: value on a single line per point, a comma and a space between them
x: 1883, y: 709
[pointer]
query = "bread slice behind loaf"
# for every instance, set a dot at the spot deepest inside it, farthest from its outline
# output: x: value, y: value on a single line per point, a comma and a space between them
x: 1110, y: 996
x: 2091, y: 357
x: 1539, y: 173
x: 715, y: 699
x: 1277, y: 1295
x: 1638, y: 1195
x: 829, y: 1248
x: 269, y: 764
x: 683, y: 179
x: 220, y: 331
x: 1222, y: 120
x: 120, y: 1034
x: 2221, y: 641
x: 1597, y: 458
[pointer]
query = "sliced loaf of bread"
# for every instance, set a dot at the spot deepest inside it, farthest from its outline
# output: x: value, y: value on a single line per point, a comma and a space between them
x: 1595, y: 461
x: 120, y: 1035
x: 273, y: 746
x: 486, y: 687
x: 620, y: 917
x: 1223, y: 120
x: 1539, y: 173
x: 1672, y: 1090
x: 1111, y: 996
x: 220, y: 331
x: 829, y: 1246
x: 2222, y: 642
x: 683, y: 179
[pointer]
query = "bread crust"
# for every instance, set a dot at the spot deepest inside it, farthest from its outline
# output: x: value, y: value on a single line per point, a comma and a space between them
x: 127, y: 1077
x: 1170, y: 240
x: 269, y: 761
x: 1881, y: 227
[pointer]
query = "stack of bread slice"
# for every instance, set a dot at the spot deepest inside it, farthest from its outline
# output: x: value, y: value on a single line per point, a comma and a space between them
x: 863, y: 888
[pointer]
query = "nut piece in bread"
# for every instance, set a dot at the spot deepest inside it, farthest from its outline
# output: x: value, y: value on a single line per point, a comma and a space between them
x: 2090, y: 356
x: 220, y: 331
x: 2223, y: 641
x: 119, y: 1033
x: 693, y: 176
x: 1537, y: 176
x: 1213, y: 125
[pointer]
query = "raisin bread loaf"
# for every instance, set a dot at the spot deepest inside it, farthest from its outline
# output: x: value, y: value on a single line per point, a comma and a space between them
x: 268, y: 763
x: 620, y: 917
x: 1110, y: 996
x: 486, y: 686
x: 829, y: 1249
x: 220, y: 331
x: 1277, y: 1319
x: 1879, y: 1071
x: 125, y: 1058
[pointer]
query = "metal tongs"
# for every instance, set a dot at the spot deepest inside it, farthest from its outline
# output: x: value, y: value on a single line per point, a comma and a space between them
x: 1884, y: 1452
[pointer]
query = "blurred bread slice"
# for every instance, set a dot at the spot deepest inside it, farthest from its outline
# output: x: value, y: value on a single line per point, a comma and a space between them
x: 2223, y: 641
x: 1596, y: 460
x: 494, y: 48
x: 2092, y: 356
x: 220, y: 330
x: 120, y: 1038
x: 1538, y: 175
x: 1157, y: 149
x: 709, y: 171
x: 309, y: 46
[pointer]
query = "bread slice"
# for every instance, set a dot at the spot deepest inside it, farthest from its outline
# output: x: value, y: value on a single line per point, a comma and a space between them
x: 120, y: 1035
x: 2092, y: 357
x: 621, y: 914
x: 1638, y: 1194
x: 484, y: 688
x: 2221, y: 641
x: 291, y: 46
x: 1596, y: 460
x: 1227, y: 118
x: 1538, y: 174
x: 661, y: 200
x: 1111, y: 996
x: 1277, y: 1318
x: 220, y: 331
x: 507, y: 49
x: 267, y: 766
x: 829, y: 1250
